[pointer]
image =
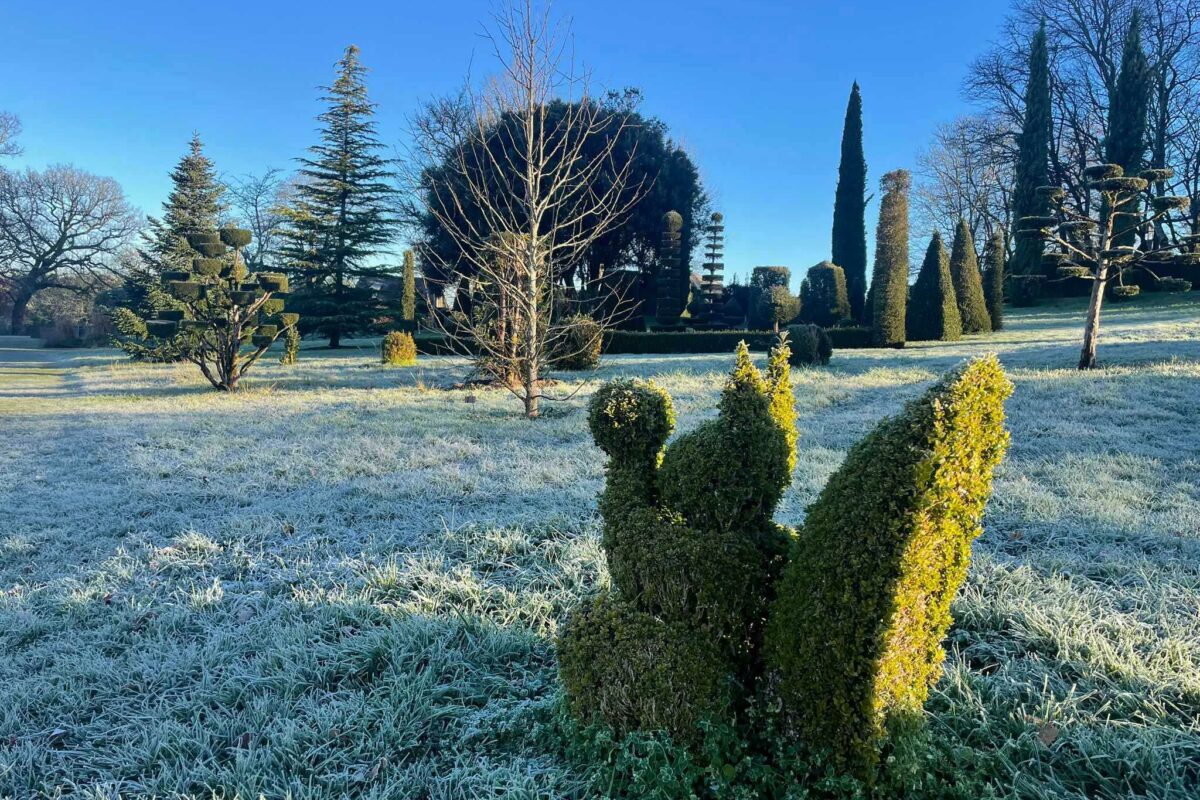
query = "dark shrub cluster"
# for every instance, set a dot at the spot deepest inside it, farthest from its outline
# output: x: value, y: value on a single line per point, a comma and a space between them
x: 850, y: 337
x: 810, y: 344
x: 578, y: 349
x: 823, y: 297
x: 398, y: 349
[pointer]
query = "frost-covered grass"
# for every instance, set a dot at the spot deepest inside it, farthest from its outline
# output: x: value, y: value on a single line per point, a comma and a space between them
x: 345, y: 580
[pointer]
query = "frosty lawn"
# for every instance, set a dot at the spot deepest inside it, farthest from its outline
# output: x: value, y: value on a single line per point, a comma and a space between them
x: 344, y: 581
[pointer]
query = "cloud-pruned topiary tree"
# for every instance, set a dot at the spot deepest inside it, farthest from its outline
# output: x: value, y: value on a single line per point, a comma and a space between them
x: 889, y: 280
x: 932, y: 307
x: 823, y: 297
x: 671, y: 299
x: 223, y: 309
x: 968, y: 283
x: 855, y: 633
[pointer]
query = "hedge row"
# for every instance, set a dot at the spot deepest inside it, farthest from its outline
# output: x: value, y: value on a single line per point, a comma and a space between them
x: 645, y: 343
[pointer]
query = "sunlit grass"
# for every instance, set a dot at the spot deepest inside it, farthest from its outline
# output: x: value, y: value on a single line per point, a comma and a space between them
x: 345, y: 580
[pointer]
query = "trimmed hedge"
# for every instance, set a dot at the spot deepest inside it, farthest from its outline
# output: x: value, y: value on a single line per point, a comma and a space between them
x: 855, y: 634
x: 850, y: 337
x: 809, y: 344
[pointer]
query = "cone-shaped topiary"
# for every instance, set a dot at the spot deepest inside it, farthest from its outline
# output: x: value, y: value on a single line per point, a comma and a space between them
x: 993, y: 280
x: 933, y: 308
x: 864, y: 603
x: 398, y: 349
x: 692, y: 552
x: 823, y: 297
x: 889, y: 280
x: 968, y: 283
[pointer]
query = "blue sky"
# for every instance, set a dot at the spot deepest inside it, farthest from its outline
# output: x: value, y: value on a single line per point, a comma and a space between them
x: 756, y: 91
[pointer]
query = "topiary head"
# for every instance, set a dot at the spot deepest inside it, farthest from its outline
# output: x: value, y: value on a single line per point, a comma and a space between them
x: 235, y: 237
x: 631, y: 419
x: 745, y: 390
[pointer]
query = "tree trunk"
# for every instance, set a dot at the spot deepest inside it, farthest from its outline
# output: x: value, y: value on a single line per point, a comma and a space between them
x: 335, y: 338
x: 20, y: 306
x: 1091, y: 328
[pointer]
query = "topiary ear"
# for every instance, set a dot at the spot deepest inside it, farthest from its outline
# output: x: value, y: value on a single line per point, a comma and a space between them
x: 631, y: 419
x: 745, y: 391
x: 783, y: 399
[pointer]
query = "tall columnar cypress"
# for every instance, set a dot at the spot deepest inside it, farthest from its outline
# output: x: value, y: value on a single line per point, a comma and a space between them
x: 1033, y: 159
x: 993, y: 279
x: 341, y: 220
x: 889, y: 280
x: 968, y: 283
x: 850, y: 208
x: 1125, y: 142
x: 408, y: 298
x: 932, y: 308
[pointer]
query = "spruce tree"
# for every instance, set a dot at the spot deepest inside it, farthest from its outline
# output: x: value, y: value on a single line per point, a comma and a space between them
x: 1033, y: 158
x: 932, y: 308
x: 1125, y: 143
x: 408, y: 298
x: 850, y: 208
x: 993, y: 280
x: 889, y: 279
x: 341, y: 222
x: 193, y: 206
x: 968, y: 283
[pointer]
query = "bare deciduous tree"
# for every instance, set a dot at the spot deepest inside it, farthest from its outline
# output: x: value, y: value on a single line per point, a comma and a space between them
x: 10, y: 128
x: 258, y: 203
x: 551, y: 207
x: 59, y: 229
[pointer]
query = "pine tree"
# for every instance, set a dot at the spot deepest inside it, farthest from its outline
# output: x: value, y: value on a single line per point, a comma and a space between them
x: 932, y: 308
x: 1125, y: 143
x: 193, y: 206
x: 993, y: 279
x: 341, y: 221
x: 408, y: 300
x: 889, y: 279
x: 1033, y: 157
x: 850, y: 208
x: 968, y: 283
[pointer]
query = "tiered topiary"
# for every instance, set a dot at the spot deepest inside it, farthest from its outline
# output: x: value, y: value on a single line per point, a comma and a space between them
x: 692, y: 552
x: 823, y: 295
x: 855, y: 634
x: 968, y: 282
x: 578, y: 347
x: 223, y: 309
x: 398, y: 349
x: 933, y: 308
x: 810, y: 344
x: 671, y: 282
x: 713, y: 280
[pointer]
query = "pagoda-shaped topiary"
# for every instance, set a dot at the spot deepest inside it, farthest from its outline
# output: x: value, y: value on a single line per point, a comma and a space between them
x: 228, y: 318
x: 713, y: 279
x: 854, y: 639
x: 692, y: 551
x: 671, y: 282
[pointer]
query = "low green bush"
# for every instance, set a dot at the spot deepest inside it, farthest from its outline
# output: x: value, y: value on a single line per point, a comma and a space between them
x: 855, y: 633
x: 810, y: 344
x: 1174, y: 285
x: 578, y: 348
x: 1128, y: 292
x: 398, y: 349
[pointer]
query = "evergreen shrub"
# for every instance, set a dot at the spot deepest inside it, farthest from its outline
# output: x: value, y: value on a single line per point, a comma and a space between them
x: 398, y: 349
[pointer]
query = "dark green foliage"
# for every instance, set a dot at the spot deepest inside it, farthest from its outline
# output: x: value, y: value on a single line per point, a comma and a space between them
x: 993, y: 280
x: 810, y: 345
x: 578, y: 347
x: 778, y: 306
x: 1175, y: 285
x: 1125, y: 141
x: 342, y: 216
x: 889, y: 279
x: 1033, y: 165
x: 864, y: 603
x: 671, y: 288
x: 235, y: 237
x: 1126, y: 292
x: 933, y: 308
x: 850, y: 208
x: 692, y: 551
x: 823, y: 295
x: 291, y: 345
x: 968, y: 283
x: 408, y: 297
x: 713, y: 279
x: 766, y: 277
x: 850, y: 337
x: 398, y: 349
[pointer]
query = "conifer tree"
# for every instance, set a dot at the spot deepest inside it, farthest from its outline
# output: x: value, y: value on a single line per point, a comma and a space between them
x: 850, y: 208
x: 194, y: 205
x: 713, y: 280
x: 671, y: 300
x: 341, y: 222
x: 1125, y: 143
x: 1033, y: 157
x: 993, y: 280
x: 408, y: 299
x: 968, y: 283
x: 889, y: 280
x: 932, y: 308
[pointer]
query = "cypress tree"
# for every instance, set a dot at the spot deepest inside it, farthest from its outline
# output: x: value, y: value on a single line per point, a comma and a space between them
x: 1033, y: 158
x: 968, y: 283
x: 933, y: 309
x: 408, y: 300
x: 889, y: 280
x: 341, y: 220
x: 993, y: 280
x: 850, y: 208
x: 1125, y: 143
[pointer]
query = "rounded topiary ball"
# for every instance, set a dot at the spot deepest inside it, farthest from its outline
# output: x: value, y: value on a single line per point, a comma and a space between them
x: 631, y: 418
